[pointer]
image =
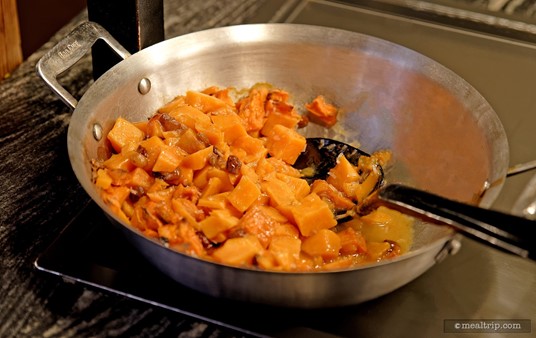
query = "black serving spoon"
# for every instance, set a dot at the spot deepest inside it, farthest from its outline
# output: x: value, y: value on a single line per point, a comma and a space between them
x: 507, y: 232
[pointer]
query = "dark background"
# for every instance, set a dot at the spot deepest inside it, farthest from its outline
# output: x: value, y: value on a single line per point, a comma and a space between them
x: 39, y: 20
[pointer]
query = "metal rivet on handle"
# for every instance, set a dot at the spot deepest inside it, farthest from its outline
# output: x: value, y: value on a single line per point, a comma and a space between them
x: 450, y: 248
x: 144, y: 86
x: 97, y: 132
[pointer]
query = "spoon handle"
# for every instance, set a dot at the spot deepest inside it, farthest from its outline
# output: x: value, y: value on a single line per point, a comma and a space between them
x: 507, y: 232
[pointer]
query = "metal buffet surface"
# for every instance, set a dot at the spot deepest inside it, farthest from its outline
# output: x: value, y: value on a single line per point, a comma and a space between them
x: 107, y: 290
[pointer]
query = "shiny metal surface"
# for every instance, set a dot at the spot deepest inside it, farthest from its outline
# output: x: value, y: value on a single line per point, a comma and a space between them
x: 391, y: 97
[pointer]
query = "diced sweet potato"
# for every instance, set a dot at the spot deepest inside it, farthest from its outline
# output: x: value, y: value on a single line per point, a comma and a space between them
x: 216, y: 201
x: 211, y: 133
x: 232, y: 126
x: 312, y: 215
x: 285, y: 144
x: 244, y: 194
x: 187, y: 210
x: 140, y: 178
x: 258, y: 221
x: 124, y: 132
x: 274, y: 106
x: 253, y: 147
x: 168, y: 160
x: 119, y: 161
x: 172, y: 105
x: 238, y: 251
x: 206, y: 169
x: 251, y: 108
x: 213, y: 187
x: 103, y: 181
x: 204, y: 102
x: 363, y: 190
x: 299, y: 186
x: 322, y: 112
x: 329, y: 193
x: 189, y: 142
x: 216, y: 223
x: 189, y: 116
x: 222, y: 94
x: 352, y: 242
x: 151, y: 148
x: 325, y: 243
x: 198, y: 159
x: 275, y: 119
x: 343, y: 172
x: 281, y: 167
x: 115, y: 196
x: 286, y: 251
x: 286, y: 229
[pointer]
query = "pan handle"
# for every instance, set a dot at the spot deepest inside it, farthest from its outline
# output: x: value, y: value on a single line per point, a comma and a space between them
x: 68, y: 51
x: 507, y: 232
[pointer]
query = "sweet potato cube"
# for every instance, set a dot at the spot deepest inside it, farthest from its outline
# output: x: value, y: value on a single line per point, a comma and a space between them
x: 118, y: 161
x: 280, y: 193
x: 212, y: 133
x: 152, y: 147
x: 201, y: 178
x: 198, y: 159
x: 366, y: 187
x: 124, y: 132
x: 328, y: 192
x: 254, y: 147
x: 312, y: 214
x: 227, y: 179
x: 141, y: 125
x: 343, y: 172
x: 216, y: 223
x: 286, y: 251
x: 172, y: 105
x: 103, y: 181
x: 289, y: 121
x: 244, y: 194
x: 283, y: 168
x: 213, y: 187
x: 286, y: 229
x: 238, y: 251
x: 352, y: 242
x: 187, y: 210
x: 322, y: 112
x: 204, y: 102
x: 140, y: 178
x: 251, y: 108
x: 168, y: 160
x: 189, y: 142
x: 325, y: 243
x: 189, y: 116
x: 216, y: 201
x: 285, y: 144
x: 300, y: 186
x: 232, y: 126
x: 115, y: 196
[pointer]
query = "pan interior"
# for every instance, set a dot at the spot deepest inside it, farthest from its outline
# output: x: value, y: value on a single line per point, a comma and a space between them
x: 444, y: 136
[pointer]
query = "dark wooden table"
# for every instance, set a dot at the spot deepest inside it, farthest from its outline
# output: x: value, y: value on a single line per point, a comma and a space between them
x: 39, y: 194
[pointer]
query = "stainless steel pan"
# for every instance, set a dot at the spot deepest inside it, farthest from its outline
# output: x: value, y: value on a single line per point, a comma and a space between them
x: 444, y: 136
